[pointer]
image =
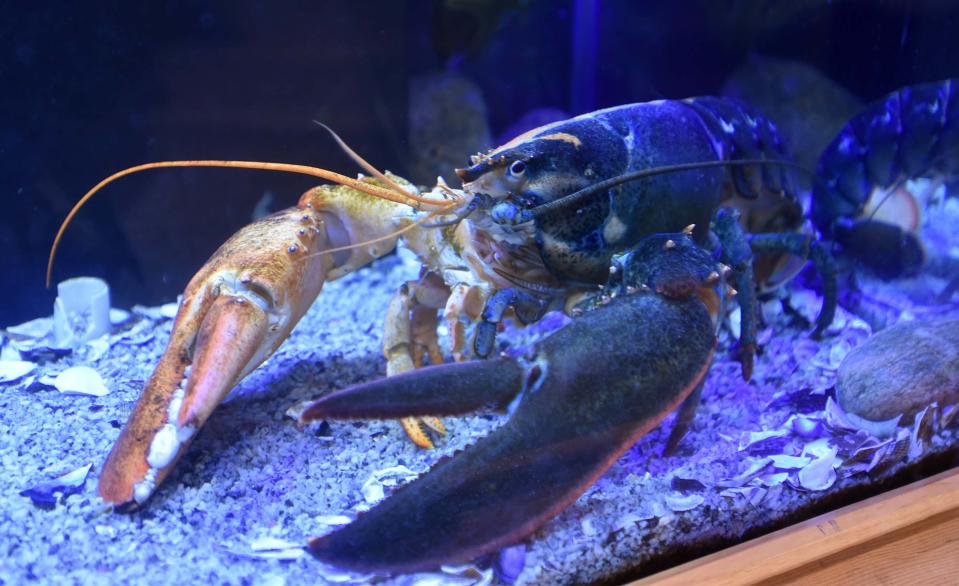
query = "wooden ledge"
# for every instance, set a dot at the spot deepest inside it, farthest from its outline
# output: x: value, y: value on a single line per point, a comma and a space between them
x: 905, y: 536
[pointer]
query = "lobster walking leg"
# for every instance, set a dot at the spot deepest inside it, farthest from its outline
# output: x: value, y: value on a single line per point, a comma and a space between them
x: 651, y: 350
x: 464, y: 301
x: 805, y: 246
x: 735, y: 252
x: 527, y: 309
x: 410, y: 332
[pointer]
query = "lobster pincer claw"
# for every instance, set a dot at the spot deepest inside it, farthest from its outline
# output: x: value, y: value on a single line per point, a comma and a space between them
x: 180, y: 396
x: 650, y: 348
x: 234, y: 314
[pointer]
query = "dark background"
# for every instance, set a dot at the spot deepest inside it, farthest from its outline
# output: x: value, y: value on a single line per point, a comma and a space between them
x: 89, y: 88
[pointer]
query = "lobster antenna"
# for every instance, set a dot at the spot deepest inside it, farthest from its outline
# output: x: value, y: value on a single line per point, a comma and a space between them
x: 575, y: 197
x: 402, y: 197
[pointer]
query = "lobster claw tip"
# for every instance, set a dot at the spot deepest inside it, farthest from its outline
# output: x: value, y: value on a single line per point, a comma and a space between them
x: 189, y: 382
x: 444, y: 389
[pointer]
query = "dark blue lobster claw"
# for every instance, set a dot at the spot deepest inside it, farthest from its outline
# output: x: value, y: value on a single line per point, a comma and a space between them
x: 587, y: 393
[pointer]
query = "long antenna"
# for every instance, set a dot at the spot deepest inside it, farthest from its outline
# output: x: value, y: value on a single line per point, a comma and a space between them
x: 576, y: 197
x: 403, y: 197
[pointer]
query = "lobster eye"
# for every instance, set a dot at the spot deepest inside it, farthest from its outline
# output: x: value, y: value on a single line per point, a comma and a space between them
x: 517, y: 168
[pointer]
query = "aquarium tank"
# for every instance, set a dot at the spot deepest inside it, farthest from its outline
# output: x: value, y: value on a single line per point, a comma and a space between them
x: 467, y: 291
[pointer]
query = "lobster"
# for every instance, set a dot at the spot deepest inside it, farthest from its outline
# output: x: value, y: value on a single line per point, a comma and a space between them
x: 862, y: 201
x: 545, y: 221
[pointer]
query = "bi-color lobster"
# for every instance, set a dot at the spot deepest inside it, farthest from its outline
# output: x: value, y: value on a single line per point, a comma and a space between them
x: 631, y: 219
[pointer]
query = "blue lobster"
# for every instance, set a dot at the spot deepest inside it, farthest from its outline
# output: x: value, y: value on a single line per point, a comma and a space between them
x: 654, y: 206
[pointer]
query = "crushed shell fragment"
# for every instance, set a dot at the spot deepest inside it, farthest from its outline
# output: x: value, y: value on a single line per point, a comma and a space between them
x: 80, y: 380
x: 680, y: 503
x: 14, y: 370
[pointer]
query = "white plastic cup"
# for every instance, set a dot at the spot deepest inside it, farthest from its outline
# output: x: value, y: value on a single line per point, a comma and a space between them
x: 81, y: 311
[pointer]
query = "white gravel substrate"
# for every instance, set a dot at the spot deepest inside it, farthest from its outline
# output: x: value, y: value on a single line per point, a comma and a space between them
x: 252, y: 474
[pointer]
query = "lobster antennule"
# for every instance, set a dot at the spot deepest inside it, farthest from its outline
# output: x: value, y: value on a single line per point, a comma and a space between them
x: 444, y: 389
x: 401, y: 196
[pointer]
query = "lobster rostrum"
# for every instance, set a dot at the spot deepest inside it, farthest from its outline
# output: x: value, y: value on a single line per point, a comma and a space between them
x: 631, y: 218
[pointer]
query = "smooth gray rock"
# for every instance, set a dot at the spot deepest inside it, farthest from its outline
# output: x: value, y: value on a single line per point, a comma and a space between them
x: 901, y: 370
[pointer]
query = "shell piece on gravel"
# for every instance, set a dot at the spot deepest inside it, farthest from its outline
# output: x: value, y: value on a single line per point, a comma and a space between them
x: 139, y: 333
x: 80, y: 380
x: 680, y: 503
x: 806, y: 302
x: 771, y: 480
x: 81, y: 311
x: 880, y: 429
x: 14, y: 370
x: 159, y: 313
x: 806, y: 427
x: 819, y: 474
x: 276, y: 549
x: 7, y: 351
x: 891, y: 453
x: 840, y: 420
x: 753, y: 438
x: 118, y: 316
x: 819, y: 448
x: 337, y: 576
x: 168, y: 310
x: 757, y: 467
x: 466, y: 574
x: 510, y: 562
x: 786, y: 462
x: 94, y: 350
x: 629, y: 520
x: 948, y: 416
x: 35, y: 328
x: 753, y: 494
x: 46, y: 494
x: 373, y: 488
x: 866, y: 451
x: 922, y: 431
x: 327, y: 522
x: 836, y: 417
